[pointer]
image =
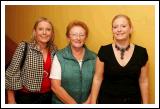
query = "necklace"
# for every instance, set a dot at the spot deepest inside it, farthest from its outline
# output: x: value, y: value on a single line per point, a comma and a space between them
x: 122, y: 50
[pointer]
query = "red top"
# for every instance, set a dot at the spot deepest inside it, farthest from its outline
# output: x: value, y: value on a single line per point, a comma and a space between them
x: 46, y: 82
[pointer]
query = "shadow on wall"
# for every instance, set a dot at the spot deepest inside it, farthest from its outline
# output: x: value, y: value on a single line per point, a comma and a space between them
x: 10, y: 47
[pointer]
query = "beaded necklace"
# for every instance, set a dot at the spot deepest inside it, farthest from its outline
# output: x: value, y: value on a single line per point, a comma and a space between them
x: 122, y: 50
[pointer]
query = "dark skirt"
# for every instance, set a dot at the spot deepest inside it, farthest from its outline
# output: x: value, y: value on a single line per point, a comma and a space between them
x: 33, y: 98
x: 110, y: 99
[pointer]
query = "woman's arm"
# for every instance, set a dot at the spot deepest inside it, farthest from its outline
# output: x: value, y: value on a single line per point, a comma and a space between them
x: 143, y: 82
x: 11, y: 97
x: 61, y: 93
x: 97, y: 80
x: 56, y: 87
x: 13, y: 72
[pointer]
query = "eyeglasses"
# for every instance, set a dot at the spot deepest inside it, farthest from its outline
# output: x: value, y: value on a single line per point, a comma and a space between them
x: 76, y: 35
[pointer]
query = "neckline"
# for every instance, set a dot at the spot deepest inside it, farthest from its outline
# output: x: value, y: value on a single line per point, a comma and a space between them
x: 128, y: 60
x: 46, y: 58
x: 122, y: 50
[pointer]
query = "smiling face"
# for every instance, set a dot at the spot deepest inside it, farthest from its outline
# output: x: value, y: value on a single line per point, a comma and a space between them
x: 43, y: 32
x: 121, y: 28
x: 77, y: 36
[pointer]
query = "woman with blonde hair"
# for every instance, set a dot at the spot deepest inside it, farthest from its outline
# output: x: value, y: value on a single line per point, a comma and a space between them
x: 121, y: 75
x: 30, y: 84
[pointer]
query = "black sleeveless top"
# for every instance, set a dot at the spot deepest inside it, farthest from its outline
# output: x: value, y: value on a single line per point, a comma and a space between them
x: 118, y: 80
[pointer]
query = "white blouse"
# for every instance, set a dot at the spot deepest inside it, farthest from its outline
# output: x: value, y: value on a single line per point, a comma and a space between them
x: 56, y: 68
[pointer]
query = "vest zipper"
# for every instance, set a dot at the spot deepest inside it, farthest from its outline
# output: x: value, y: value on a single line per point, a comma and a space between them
x: 81, y: 81
x: 80, y: 69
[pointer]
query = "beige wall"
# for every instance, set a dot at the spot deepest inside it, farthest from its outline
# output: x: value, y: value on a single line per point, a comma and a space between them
x: 19, y: 21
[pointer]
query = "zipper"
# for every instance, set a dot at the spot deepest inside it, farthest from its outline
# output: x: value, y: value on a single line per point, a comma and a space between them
x: 81, y: 80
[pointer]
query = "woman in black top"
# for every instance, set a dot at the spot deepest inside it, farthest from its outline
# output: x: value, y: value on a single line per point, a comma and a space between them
x: 121, y: 75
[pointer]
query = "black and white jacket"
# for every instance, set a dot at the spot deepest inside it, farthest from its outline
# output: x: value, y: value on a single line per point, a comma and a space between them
x: 31, y: 74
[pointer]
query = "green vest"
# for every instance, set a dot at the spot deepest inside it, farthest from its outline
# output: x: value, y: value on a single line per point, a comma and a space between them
x: 77, y: 82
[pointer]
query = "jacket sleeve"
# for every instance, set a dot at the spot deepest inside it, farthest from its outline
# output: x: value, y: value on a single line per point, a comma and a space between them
x: 12, y: 75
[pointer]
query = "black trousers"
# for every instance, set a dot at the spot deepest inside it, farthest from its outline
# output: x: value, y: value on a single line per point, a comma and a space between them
x: 33, y: 98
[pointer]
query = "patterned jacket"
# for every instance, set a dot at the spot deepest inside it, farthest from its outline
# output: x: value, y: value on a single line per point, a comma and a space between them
x: 31, y: 74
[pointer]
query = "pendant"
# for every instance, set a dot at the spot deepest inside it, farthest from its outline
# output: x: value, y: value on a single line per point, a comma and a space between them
x: 122, y: 50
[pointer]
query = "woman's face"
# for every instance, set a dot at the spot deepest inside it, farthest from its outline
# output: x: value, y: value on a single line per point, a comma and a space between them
x: 121, y: 29
x: 77, y: 36
x: 43, y: 32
